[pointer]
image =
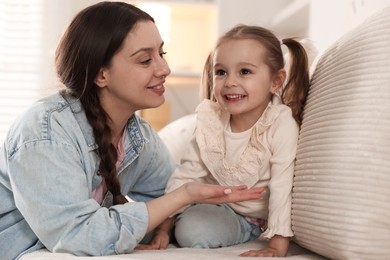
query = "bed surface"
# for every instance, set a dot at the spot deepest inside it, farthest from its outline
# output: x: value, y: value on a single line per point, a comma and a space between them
x: 173, y: 253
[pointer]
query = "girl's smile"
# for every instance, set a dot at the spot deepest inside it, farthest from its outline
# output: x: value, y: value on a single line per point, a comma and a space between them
x: 243, y: 83
x: 234, y: 97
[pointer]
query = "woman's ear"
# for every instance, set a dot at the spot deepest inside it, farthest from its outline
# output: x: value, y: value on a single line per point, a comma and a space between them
x: 101, y: 78
x: 278, y: 81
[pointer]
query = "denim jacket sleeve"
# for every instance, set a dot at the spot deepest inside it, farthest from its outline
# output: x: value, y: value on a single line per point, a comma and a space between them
x: 52, y: 166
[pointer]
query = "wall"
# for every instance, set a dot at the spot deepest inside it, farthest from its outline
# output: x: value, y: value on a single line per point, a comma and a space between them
x: 192, y: 34
x: 191, y: 37
x: 198, y: 23
x: 318, y: 22
x: 330, y: 19
x: 256, y: 12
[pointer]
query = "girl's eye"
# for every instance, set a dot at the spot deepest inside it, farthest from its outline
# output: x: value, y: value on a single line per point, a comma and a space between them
x: 245, y: 72
x: 220, y: 72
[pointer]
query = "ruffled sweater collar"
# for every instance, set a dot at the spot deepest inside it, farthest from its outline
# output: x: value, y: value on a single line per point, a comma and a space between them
x: 211, y: 121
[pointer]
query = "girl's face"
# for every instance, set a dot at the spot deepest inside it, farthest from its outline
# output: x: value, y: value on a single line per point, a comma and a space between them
x: 243, y: 83
x: 135, y: 78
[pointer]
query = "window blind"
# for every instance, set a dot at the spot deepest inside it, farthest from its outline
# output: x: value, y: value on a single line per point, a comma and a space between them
x: 21, y: 31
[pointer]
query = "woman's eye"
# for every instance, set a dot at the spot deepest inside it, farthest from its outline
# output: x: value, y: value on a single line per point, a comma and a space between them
x: 147, y: 61
x: 162, y: 54
x: 245, y: 72
x: 220, y: 72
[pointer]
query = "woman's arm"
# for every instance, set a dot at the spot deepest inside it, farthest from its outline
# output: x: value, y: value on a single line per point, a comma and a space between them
x: 194, y: 192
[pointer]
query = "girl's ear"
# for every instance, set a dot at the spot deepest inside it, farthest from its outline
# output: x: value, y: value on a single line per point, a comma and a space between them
x: 278, y: 81
x: 101, y: 78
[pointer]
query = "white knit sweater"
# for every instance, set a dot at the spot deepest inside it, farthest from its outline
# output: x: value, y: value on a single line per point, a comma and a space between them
x: 267, y: 161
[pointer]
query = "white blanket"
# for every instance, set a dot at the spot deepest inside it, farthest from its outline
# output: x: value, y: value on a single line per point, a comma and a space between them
x: 172, y: 253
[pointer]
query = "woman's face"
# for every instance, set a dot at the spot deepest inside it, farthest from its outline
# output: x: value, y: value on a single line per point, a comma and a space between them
x: 135, y: 78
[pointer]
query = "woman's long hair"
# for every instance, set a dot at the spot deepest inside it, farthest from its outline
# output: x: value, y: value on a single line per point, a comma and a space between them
x: 89, y: 43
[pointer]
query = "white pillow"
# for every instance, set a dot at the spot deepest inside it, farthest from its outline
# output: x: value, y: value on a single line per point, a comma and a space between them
x: 341, y: 193
x: 176, y: 135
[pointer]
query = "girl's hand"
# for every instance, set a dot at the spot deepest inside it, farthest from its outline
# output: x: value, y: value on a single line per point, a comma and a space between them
x: 265, y: 252
x: 278, y: 247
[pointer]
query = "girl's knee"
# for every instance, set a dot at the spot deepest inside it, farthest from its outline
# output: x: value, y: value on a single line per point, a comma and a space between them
x: 193, y: 237
x: 190, y: 230
x: 202, y: 226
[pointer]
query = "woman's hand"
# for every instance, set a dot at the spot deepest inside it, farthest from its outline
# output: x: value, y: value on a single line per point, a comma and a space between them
x: 161, y: 237
x: 195, y: 192
x: 215, y: 194
x: 160, y: 241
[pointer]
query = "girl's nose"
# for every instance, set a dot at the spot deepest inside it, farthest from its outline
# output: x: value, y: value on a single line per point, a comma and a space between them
x: 231, y: 81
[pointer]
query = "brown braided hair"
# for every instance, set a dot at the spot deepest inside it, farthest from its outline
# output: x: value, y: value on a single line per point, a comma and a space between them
x: 89, y: 43
x: 295, y: 90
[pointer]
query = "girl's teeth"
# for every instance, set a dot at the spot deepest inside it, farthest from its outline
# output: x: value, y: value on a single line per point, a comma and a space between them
x: 234, y: 96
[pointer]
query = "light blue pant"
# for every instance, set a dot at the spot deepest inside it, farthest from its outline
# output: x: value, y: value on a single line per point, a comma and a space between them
x: 211, y: 226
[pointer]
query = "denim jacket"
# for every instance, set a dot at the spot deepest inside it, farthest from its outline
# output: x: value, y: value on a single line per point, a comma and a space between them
x: 48, y: 170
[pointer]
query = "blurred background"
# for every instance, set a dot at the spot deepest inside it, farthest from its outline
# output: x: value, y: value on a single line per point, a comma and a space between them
x: 30, y: 30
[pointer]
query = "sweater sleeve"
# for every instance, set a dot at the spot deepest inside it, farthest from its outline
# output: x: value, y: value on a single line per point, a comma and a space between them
x: 190, y: 169
x: 283, y: 145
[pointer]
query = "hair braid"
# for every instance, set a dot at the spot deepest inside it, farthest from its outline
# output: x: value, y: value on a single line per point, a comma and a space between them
x: 99, y: 119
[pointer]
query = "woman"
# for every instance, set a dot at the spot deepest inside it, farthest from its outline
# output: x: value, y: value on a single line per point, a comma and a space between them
x: 69, y: 164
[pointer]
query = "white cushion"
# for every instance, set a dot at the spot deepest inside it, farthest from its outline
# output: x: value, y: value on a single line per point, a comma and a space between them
x: 341, y: 193
x: 176, y: 135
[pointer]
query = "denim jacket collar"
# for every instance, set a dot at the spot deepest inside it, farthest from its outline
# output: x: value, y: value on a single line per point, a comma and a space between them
x: 134, y: 143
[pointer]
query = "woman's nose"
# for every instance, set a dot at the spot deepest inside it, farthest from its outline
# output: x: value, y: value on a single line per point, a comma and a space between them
x: 162, y: 69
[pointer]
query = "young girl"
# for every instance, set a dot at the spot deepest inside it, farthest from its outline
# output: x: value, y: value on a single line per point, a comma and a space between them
x: 68, y: 163
x: 248, y: 136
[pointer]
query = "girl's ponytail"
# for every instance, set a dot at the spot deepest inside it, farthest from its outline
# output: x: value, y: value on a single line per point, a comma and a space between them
x: 295, y: 91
